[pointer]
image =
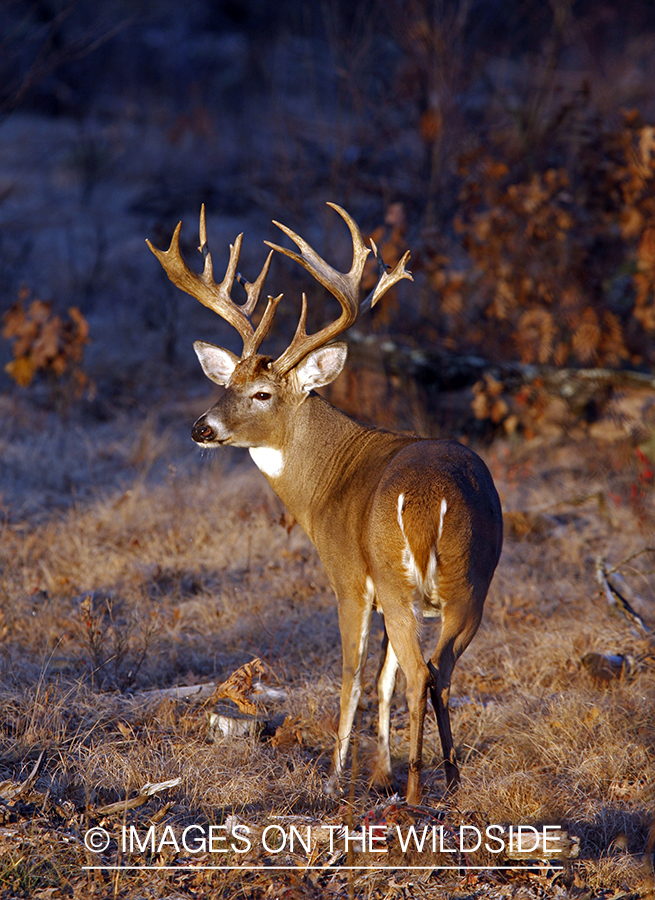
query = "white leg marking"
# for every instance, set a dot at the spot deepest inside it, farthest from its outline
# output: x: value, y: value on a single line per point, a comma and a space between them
x: 386, y: 684
x: 268, y: 460
x: 431, y: 576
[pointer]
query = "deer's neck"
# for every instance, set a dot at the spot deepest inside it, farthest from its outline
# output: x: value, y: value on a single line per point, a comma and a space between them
x: 323, y: 464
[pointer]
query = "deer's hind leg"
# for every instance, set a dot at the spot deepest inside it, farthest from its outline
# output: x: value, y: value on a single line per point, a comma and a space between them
x: 386, y: 680
x: 396, y: 600
x: 461, y: 612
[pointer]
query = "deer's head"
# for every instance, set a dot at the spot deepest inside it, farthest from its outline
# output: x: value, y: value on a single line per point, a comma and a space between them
x: 262, y: 394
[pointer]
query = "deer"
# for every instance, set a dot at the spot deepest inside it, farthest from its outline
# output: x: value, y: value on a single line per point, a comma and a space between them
x: 405, y: 525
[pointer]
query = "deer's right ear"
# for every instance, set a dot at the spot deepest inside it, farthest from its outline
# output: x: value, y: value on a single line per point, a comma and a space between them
x: 217, y: 363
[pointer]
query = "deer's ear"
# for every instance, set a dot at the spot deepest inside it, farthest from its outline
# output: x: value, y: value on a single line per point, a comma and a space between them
x: 217, y: 363
x: 321, y: 366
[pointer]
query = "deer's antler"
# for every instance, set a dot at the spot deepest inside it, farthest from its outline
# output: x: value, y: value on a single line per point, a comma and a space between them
x: 217, y: 296
x: 345, y: 286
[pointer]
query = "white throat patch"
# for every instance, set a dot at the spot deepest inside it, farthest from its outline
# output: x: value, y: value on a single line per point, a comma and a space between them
x: 268, y: 461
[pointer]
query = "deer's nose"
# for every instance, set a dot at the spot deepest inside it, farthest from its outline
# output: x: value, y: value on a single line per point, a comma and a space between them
x: 202, y: 431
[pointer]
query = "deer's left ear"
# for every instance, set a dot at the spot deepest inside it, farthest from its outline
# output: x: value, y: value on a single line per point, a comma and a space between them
x: 321, y: 366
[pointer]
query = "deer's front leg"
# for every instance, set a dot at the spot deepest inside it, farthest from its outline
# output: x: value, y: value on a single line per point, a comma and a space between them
x: 354, y: 625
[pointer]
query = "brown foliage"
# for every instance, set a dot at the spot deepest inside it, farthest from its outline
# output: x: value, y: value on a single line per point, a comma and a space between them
x: 44, y: 342
x: 559, y: 260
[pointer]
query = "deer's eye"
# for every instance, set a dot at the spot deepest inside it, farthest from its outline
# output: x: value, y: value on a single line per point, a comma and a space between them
x: 261, y: 395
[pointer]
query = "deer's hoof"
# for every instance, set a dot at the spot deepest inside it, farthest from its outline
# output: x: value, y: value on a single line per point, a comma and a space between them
x: 382, y: 777
x: 332, y: 787
x: 452, y: 778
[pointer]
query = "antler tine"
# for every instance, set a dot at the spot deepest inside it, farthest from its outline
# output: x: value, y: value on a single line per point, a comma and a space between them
x: 386, y: 279
x: 253, y: 289
x: 344, y: 286
x: 217, y: 296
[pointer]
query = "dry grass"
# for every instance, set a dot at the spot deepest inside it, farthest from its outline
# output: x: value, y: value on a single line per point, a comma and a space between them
x: 184, y: 572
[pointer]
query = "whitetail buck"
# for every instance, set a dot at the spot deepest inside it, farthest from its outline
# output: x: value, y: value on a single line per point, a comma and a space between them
x: 407, y: 526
